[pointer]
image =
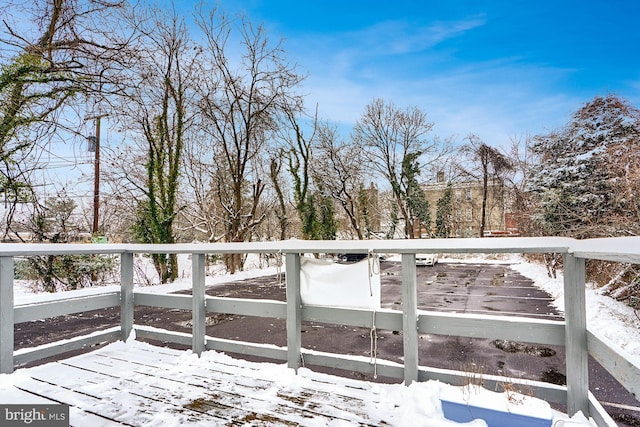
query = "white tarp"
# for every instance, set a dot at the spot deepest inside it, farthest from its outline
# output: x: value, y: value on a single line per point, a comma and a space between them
x: 344, y: 285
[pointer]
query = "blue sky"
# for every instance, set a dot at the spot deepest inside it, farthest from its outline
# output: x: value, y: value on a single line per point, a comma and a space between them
x: 498, y: 69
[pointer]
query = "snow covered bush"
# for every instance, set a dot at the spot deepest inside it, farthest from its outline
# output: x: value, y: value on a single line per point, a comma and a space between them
x: 52, y: 273
x: 589, y: 172
x: 586, y: 184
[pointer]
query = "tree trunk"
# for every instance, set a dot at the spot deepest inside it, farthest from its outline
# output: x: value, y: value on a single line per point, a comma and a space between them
x: 483, y: 217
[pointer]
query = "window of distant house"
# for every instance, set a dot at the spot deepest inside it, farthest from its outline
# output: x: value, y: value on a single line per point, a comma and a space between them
x: 458, y: 216
x: 469, y: 214
x: 458, y: 195
x: 468, y: 194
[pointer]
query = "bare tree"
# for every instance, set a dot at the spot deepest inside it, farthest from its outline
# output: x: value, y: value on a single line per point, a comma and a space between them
x: 275, y: 166
x: 520, y: 203
x: 202, y: 213
x: 51, y: 52
x: 298, y: 151
x: 339, y: 167
x: 624, y: 168
x: 159, y: 110
x: 486, y: 165
x: 390, y: 135
x: 241, y: 99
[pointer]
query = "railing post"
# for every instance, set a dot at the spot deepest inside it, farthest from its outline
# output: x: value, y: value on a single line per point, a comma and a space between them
x: 126, y: 294
x: 577, y: 357
x: 198, y: 311
x: 410, y: 318
x: 6, y: 315
x: 294, y: 311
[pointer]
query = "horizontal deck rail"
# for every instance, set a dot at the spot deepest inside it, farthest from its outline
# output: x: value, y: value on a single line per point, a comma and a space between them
x: 572, y: 333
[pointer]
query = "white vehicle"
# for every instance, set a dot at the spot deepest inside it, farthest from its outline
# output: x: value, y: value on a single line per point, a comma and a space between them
x: 426, y: 259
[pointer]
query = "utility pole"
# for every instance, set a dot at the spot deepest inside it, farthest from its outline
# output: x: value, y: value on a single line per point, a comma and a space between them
x: 96, y: 172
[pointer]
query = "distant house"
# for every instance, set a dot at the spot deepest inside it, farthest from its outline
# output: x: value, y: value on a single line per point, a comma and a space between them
x: 466, y: 215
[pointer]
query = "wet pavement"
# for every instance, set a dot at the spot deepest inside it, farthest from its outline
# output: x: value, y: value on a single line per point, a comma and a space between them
x: 447, y: 287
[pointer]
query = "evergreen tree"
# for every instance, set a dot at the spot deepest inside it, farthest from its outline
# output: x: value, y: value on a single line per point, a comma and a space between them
x: 318, y: 218
x: 308, y: 216
x: 416, y: 200
x: 328, y: 224
x: 587, y: 172
x: 444, y: 213
x: 363, y: 202
x: 393, y: 221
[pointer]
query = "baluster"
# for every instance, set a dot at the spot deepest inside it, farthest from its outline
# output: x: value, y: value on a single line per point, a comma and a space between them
x: 6, y: 315
x: 409, y: 318
x: 126, y: 294
x: 198, y: 311
x: 294, y: 311
x: 576, y: 335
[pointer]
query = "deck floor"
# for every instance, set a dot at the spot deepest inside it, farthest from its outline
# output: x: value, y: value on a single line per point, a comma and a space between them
x: 135, y: 383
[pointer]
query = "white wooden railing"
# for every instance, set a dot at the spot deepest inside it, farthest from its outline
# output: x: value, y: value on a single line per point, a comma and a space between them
x: 579, y: 341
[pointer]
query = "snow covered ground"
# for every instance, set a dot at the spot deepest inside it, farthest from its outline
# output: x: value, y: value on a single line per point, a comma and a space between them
x: 610, y: 318
x: 614, y: 320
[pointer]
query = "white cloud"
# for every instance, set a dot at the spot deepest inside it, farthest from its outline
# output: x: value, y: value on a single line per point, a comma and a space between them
x: 342, y: 52
x: 497, y: 101
x: 400, y: 37
x: 428, y: 65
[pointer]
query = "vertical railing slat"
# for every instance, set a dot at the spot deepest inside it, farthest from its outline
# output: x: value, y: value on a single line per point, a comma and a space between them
x: 6, y: 315
x: 576, y: 335
x: 409, y: 318
x: 198, y: 312
x: 126, y: 294
x: 294, y: 311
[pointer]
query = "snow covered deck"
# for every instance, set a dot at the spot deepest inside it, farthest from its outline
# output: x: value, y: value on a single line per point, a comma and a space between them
x: 171, y: 384
x: 135, y: 383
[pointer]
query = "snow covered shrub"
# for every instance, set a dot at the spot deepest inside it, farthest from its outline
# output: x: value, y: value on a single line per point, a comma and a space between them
x: 589, y: 173
x: 586, y: 183
x: 67, y: 272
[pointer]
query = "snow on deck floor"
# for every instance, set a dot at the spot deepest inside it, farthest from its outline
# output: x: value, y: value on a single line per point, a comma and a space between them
x: 135, y: 383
